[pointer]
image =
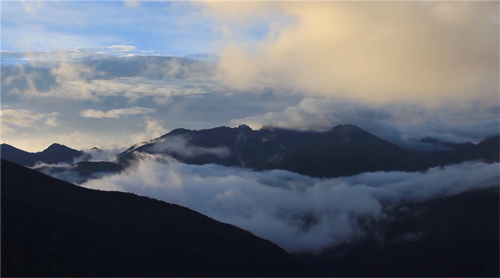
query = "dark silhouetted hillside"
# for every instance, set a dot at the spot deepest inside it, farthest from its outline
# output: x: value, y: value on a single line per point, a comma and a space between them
x: 53, y: 228
x: 455, y: 236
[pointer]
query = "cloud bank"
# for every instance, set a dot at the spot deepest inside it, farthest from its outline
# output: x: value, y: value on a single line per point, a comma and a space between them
x: 373, y: 52
x: 86, y: 74
x: 297, y: 212
x: 403, y: 124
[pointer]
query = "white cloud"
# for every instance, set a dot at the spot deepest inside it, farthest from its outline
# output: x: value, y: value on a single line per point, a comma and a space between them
x: 116, y: 113
x: 120, y: 48
x: 180, y: 145
x: 15, y: 118
x: 397, y: 123
x: 20, y: 117
x: 365, y: 51
x: 132, y: 3
x: 52, y: 119
x: 153, y: 129
x: 75, y: 74
x: 297, y: 212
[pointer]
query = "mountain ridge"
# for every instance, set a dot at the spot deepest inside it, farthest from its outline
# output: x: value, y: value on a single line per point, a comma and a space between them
x: 53, y: 154
x: 344, y: 150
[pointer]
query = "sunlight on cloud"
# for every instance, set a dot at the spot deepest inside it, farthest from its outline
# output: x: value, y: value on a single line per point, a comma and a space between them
x: 15, y: 118
x: 371, y: 52
x: 20, y: 117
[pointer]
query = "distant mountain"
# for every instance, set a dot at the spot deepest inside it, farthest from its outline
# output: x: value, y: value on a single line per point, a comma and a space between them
x: 344, y: 150
x: 337, y: 158
x: 53, y: 228
x: 55, y: 153
x: 454, y: 236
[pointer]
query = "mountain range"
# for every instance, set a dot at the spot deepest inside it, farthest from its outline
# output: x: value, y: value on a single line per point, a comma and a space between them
x: 54, y: 228
x: 54, y: 154
x: 345, y: 150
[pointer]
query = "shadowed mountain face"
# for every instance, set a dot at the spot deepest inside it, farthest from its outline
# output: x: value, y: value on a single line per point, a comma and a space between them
x: 344, y: 150
x: 53, y: 228
x: 454, y: 236
x: 55, y: 153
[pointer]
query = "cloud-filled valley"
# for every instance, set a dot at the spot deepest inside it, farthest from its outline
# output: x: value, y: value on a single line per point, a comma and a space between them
x: 297, y: 212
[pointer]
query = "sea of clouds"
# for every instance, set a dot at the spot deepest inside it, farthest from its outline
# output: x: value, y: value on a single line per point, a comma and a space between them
x: 299, y: 213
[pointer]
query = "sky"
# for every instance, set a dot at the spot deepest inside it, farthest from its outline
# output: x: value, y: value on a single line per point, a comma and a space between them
x: 110, y: 74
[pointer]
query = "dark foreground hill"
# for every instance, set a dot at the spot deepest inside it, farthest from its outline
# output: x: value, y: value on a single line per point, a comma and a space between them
x: 454, y: 236
x: 53, y: 228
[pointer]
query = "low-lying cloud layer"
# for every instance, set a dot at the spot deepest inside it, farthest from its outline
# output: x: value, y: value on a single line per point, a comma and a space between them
x: 180, y: 145
x: 297, y: 212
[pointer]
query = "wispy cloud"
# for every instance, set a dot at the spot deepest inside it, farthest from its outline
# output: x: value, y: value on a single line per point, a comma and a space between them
x: 15, y: 118
x: 181, y: 146
x: 116, y: 113
x: 20, y: 117
x: 152, y: 129
x: 122, y: 48
x: 83, y: 74
x: 132, y: 3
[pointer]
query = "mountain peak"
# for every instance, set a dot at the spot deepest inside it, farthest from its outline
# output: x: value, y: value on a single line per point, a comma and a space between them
x: 430, y: 140
x: 55, y: 146
x: 58, y: 149
x: 244, y: 127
